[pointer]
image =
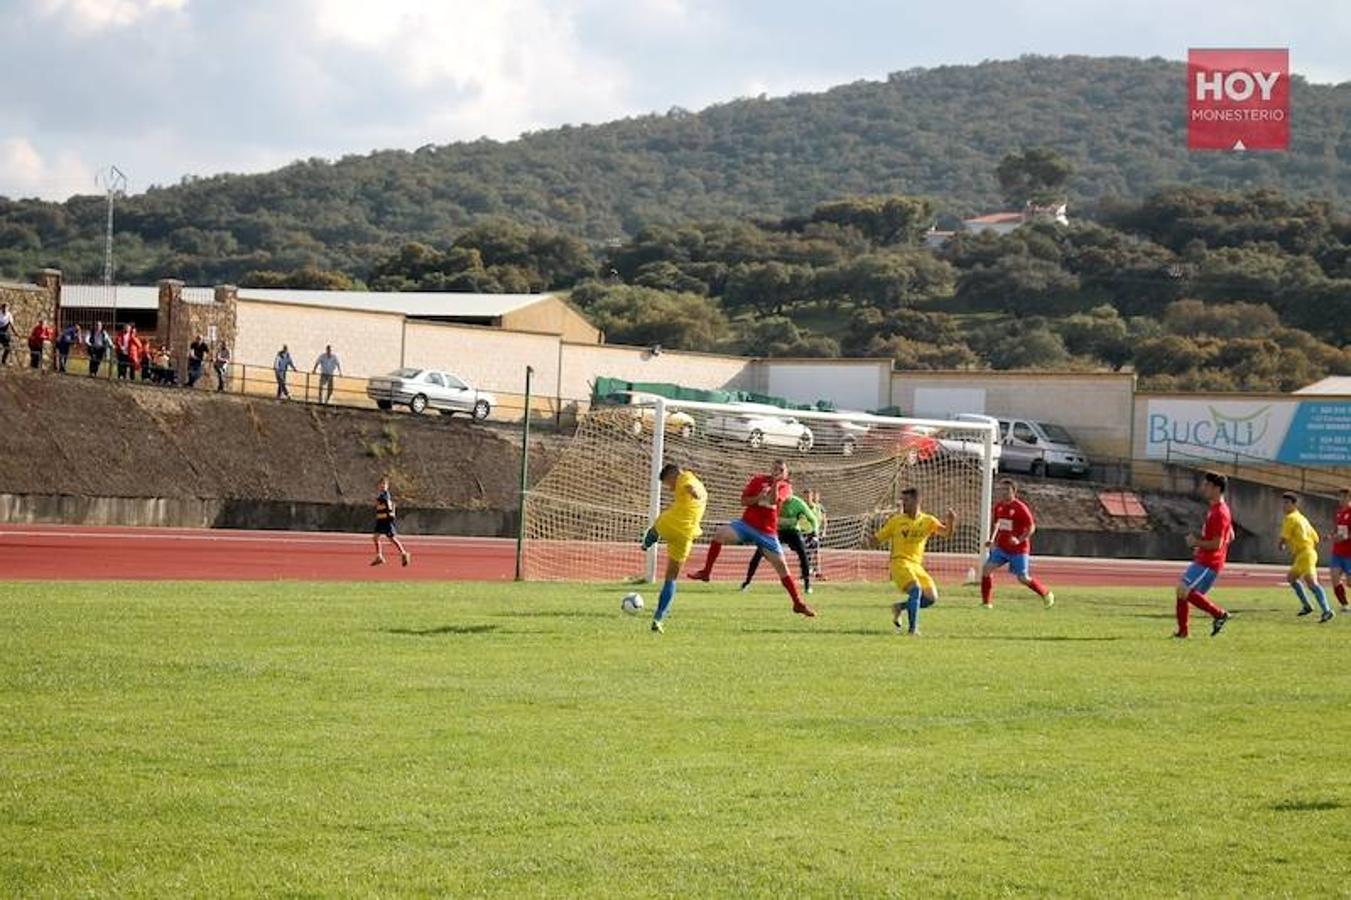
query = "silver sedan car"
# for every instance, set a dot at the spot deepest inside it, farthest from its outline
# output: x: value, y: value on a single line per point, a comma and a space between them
x: 424, y: 389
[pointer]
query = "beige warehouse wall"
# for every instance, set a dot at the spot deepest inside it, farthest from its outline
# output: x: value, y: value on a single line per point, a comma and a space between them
x: 860, y: 384
x: 488, y: 358
x: 552, y: 315
x: 582, y: 363
x: 1097, y: 408
x: 366, y: 343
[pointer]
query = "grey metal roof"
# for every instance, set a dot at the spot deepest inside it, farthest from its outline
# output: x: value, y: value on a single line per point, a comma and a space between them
x: 445, y: 304
x: 122, y: 296
x: 441, y: 304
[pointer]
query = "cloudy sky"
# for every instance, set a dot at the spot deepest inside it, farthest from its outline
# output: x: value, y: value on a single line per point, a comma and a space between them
x: 166, y: 88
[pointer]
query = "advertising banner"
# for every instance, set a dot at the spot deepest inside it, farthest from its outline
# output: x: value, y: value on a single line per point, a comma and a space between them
x: 1297, y: 432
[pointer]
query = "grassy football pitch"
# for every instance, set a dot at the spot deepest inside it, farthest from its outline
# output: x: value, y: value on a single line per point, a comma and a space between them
x: 319, y: 739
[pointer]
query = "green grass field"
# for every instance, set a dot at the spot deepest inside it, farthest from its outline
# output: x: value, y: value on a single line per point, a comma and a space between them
x: 207, y: 739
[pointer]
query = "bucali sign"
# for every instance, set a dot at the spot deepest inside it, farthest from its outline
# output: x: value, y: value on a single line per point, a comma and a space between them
x: 1238, y: 99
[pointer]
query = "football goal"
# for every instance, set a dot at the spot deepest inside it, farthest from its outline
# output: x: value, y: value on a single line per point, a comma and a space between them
x: 584, y: 519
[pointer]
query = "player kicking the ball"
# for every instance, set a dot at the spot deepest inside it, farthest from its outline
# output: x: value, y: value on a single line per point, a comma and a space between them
x: 678, y: 525
x: 1300, y: 539
x: 1010, y: 545
x: 1211, y: 549
x: 908, y: 531
x: 759, y: 525
x: 384, y: 526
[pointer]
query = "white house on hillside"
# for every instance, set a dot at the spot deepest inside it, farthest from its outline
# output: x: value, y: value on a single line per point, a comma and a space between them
x: 1004, y: 222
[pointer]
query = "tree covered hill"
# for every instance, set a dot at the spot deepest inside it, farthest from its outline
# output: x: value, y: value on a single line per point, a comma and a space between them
x: 938, y: 133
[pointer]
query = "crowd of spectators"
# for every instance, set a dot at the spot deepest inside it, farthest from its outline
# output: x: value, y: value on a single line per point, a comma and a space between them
x: 131, y: 356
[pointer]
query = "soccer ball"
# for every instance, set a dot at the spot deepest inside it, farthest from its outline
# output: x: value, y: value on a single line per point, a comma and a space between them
x: 632, y: 604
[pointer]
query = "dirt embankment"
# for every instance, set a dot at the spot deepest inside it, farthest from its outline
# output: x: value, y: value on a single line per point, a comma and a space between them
x: 1074, y: 506
x: 73, y: 435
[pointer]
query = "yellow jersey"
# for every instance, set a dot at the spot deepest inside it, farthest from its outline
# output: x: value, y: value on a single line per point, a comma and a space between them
x: 908, y: 535
x: 686, y: 512
x: 1298, y: 534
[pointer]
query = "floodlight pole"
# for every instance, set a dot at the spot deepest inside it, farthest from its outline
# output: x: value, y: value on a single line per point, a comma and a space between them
x: 654, y: 488
x: 113, y: 182
x: 525, y: 475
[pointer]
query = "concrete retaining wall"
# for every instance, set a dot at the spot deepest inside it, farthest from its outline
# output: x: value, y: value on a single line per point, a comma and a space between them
x: 265, y: 515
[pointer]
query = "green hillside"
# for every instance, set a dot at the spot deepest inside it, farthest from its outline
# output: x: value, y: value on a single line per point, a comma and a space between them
x: 938, y: 133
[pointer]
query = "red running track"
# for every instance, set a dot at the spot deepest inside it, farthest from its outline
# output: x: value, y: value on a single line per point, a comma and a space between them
x: 78, y: 553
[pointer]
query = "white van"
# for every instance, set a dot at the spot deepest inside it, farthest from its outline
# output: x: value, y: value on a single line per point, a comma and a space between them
x: 1040, y: 448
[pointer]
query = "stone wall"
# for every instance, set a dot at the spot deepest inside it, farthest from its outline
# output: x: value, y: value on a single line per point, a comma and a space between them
x: 182, y: 320
x: 28, y: 303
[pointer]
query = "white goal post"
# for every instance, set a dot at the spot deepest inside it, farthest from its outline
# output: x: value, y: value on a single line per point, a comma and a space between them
x: 584, y: 518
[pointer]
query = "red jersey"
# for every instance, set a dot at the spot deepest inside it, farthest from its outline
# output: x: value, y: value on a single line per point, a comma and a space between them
x: 1219, y: 526
x: 764, y: 519
x: 1341, y: 535
x: 1012, y: 519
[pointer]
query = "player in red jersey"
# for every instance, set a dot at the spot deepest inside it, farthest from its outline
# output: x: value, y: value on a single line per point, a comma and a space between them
x: 1010, y: 544
x: 1340, y: 564
x: 759, y: 525
x: 1211, y: 550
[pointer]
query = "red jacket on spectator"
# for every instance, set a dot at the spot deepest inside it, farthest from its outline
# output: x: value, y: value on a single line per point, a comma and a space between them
x: 39, y: 336
x: 137, y: 349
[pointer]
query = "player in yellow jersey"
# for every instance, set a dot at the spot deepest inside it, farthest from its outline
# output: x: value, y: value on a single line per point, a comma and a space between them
x: 678, y: 525
x: 907, y: 532
x: 1301, y: 540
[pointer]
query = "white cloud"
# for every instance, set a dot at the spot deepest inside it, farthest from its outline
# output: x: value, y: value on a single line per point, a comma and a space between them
x: 24, y: 172
x: 476, y: 69
x: 99, y: 14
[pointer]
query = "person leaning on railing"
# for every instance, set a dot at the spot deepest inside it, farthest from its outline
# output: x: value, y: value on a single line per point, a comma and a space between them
x: 221, y: 364
x: 37, y: 339
x: 6, y: 325
x: 70, y: 337
x: 97, y: 343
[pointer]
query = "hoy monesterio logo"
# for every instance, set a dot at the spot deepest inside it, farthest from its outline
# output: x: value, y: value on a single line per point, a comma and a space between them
x: 1238, y: 99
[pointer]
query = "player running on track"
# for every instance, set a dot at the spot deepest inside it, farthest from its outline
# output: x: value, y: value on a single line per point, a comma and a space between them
x: 1339, y: 567
x: 384, y: 525
x: 759, y: 525
x: 1211, y: 550
x: 1010, y: 544
x: 908, y: 531
x: 678, y: 525
x: 1301, y: 540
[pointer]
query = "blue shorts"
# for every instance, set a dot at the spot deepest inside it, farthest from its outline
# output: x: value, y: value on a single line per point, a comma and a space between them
x: 1337, y: 561
x: 1199, y: 578
x: 749, y: 535
x: 1019, y: 563
x: 386, y: 527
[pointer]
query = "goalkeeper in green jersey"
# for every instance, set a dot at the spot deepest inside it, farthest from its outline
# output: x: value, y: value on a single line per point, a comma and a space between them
x: 794, y: 515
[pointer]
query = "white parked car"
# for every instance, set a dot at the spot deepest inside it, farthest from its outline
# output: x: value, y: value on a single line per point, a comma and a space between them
x: 760, y: 426
x: 424, y: 389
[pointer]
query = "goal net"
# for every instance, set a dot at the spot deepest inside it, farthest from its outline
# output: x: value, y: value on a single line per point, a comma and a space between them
x: 584, y: 519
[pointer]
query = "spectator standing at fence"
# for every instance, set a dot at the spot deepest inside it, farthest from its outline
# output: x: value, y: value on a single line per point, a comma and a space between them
x: 70, y: 337
x: 98, y: 348
x: 280, y: 366
x: 198, y: 351
x: 327, y: 365
x: 163, y: 368
x: 122, y: 347
x: 37, y: 339
x: 142, y: 354
x: 6, y: 326
x: 222, y: 365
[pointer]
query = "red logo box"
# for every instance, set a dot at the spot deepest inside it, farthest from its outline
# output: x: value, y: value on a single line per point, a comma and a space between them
x: 1238, y: 99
